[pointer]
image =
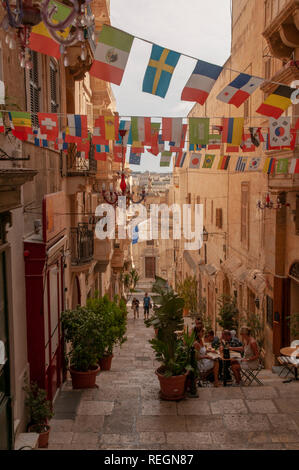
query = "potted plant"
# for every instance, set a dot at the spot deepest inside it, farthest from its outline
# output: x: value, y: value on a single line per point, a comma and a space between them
x: 188, y: 291
x: 172, y: 350
x: 228, y: 312
x: 112, y: 319
x: 82, y: 328
x: 40, y: 412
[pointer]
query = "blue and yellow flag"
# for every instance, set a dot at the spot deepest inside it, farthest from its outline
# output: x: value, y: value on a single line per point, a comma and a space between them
x: 159, y: 71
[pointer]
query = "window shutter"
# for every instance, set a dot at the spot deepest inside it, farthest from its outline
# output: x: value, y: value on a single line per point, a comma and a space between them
x: 53, y: 88
x: 212, y: 211
x: 244, y: 213
x: 33, y: 97
x: 219, y: 218
x: 197, y: 199
x: 297, y: 215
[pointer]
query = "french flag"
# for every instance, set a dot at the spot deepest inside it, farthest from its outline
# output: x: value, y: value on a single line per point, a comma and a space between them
x: 77, y: 125
x: 201, y: 82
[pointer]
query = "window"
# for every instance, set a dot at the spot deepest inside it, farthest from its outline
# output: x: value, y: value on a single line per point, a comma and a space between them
x: 219, y: 218
x: 188, y: 198
x: 33, y: 88
x: 244, y: 213
x: 54, y: 100
x: 197, y: 199
x: 150, y: 242
x: 269, y: 307
x: 297, y: 215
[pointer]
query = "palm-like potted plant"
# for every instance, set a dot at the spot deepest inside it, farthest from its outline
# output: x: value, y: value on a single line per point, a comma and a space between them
x: 188, y: 291
x: 83, y: 329
x: 172, y: 350
x: 112, y: 319
x: 40, y: 411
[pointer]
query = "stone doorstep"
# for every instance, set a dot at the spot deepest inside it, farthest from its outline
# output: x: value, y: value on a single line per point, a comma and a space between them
x: 29, y: 440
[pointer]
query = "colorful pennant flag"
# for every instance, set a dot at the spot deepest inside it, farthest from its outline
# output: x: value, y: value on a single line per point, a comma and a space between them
x: 199, y: 130
x: 127, y: 138
x: 137, y: 147
x: 84, y: 147
x: 118, y: 154
x: 39, y: 139
x: 174, y: 148
x: 269, y: 165
x: 232, y: 148
x: 214, y: 142
x: 232, y: 130
x: 254, y: 163
x: 241, y: 164
x: 111, y: 54
x: 159, y: 71
x: 2, y: 128
x: 101, y: 152
x: 135, y: 158
x: 246, y: 144
x: 194, y: 147
x: 294, y: 167
x: 106, y: 128
x: 282, y: 166
x: 280, y: 131
x: 172, y: 129
x: 180, y: 158
x: 40, y: 39
x: 223, y: 162
x: 201, y: 82
x: 208, y: 161
x: 276, y: 103
x: 256, y: 136
x: 20, y: 123
x: 194, y: 161
x: 60, y: 143
x: 48, y: 124
x: 140, y: 128
x: 77, y: 127
x: 165, y: 158
x: 239, y: 89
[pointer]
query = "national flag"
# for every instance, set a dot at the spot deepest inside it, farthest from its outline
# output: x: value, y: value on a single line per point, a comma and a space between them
x: 214, y: 142
x: 101, y: 152
x: 223, y: 162
x: 111, y: 54
x: 194, y: 147
x: 106, y: 128
x: 77, y: 127
x: 38, y: 139
x: 20, y: 123
x: 282, y: 166
x: 48, y: 124
x: 232, y: 148
x: 154, y: 138
x: 294, y: 167
x: 134, y: 158
x: 40, y: 39
x: 159, y: 71
x: 280, y: 131
x: 137, y: 147
x: 2, y: 92
x: 60, y: 143
x: 269, y: 165
x: 194, y: 161
x: 239, y: 89
x: 2, y: 128
x: 165, y: 158
x: 135, y: 235
x: 246, y: 144
x: 127, y: 138
x: 172, y: 130
x: 208, y: 161
x: 254, y: 163
x: 118, y: 154
x: 232, y: 130
x: 180, y: 158
x: 256, y: 136
x: 174, y: 148
x: 276, y: 103
x: 241, y: 164
x: 140, y: 128
x: 84, y: 147
x: 199, y: 130
x: 201, y: 82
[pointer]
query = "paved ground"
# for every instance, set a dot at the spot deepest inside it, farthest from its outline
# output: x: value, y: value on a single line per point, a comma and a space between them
x: 125, y: 411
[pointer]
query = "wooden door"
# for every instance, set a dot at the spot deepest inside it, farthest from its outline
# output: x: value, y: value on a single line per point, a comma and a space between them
x: 150, y: 266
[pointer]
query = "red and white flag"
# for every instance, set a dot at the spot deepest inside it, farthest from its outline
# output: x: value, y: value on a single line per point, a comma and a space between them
x: 48, y: 124
x: 294, y: 167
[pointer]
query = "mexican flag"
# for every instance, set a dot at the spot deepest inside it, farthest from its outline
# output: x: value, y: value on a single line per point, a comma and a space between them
x: 111, y: 55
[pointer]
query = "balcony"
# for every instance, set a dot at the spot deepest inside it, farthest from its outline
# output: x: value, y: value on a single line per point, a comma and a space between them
x: 118, y: 258
x: 81, y: 244
x: 281, y: 27
x: 102, y: 253
x: 76, y: 165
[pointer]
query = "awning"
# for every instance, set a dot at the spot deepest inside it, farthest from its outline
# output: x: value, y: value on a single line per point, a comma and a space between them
x: 188, y: 257
x: 240, y: 274
x: 230, y: 265
x: 208, y: 269
x: 256, y: 280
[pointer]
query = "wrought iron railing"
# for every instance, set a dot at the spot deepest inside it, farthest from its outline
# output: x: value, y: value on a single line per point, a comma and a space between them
x: 77, y: 164
x: 82, y: 244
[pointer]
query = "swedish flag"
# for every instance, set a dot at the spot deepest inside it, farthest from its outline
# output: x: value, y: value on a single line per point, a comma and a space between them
x: 159, y: 71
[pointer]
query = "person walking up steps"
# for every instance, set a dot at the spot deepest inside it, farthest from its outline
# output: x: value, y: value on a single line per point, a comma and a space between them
x: 135, y: 306
x: 146, y: 305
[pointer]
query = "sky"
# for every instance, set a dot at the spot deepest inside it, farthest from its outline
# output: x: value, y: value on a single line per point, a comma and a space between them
x: 198, y: 28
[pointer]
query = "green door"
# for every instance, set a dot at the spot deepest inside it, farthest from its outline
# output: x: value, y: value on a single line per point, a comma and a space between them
x: 5, y: 401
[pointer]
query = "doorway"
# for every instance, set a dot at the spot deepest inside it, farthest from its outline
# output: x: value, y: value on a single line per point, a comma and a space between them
x: 150, y: 267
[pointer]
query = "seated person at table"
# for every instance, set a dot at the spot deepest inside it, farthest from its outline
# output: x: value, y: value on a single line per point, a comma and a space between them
x: 206, y: 365
x: 231, y: 340
x: 211, y: 338
x: 251, y: 354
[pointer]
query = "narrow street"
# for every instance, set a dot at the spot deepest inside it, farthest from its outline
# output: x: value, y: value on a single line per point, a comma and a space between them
x: 125, y: 412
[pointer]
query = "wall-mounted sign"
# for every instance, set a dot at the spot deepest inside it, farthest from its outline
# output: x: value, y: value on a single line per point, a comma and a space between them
x: 54, y: 210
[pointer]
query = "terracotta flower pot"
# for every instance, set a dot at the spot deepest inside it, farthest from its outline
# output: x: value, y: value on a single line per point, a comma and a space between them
x: 105, y: 362
x: 172, y: 388
x: 185, y: 312
x: 43, y: 437
x: 84, y: 379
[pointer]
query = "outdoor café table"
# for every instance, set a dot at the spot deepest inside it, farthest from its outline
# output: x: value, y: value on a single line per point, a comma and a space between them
x: 291, y: 352
x: 218, y: 355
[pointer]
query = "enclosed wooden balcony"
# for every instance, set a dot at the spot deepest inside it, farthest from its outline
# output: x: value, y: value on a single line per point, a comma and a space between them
x: 81, y: 244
